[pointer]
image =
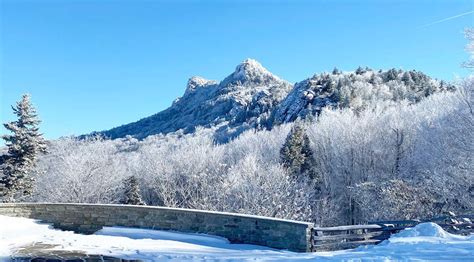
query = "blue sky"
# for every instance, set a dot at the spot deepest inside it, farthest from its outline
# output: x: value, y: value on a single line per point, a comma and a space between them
x: 92, y: 65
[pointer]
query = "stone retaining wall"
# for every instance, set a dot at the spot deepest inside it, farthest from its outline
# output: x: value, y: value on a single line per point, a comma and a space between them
x: 238, y: 228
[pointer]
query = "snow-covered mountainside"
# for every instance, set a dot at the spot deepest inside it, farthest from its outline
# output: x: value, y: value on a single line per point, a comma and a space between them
x: 237, y: 103
x: 355, y: 90
x: 252, y: 97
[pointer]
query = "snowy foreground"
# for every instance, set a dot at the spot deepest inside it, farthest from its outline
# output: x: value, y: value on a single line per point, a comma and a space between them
x: 424, y: 242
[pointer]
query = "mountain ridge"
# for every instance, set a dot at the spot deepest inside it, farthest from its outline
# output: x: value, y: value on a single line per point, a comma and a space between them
x: 252, y: 97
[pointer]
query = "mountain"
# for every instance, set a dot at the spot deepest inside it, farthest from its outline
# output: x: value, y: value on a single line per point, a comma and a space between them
x: 252, y: 97
x: 239, y: 102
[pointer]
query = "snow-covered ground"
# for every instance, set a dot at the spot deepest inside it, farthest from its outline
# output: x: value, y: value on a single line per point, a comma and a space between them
x: 424, y: 242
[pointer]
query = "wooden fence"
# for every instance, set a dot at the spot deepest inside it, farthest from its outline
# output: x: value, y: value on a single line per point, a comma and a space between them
x: 346, y: 237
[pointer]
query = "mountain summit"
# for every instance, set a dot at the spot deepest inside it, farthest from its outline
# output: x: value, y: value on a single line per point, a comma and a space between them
x: 251, y: 72
x: 252, y: 98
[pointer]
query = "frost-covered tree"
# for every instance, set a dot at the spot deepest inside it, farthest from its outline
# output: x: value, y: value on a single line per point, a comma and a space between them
x: 406, y: 78
x: 24, y: 145
x: 131, y: 194
x: 394, y: 198
x: 360, y: 70
x: 296, y: 154
x: 469, y: 33
x: 83, y: 171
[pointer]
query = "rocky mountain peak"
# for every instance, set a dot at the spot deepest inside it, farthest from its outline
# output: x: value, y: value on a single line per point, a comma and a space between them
x: 196, y: 82
x: 251, y: 72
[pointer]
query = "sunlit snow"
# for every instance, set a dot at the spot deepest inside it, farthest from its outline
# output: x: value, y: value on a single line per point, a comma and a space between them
x: 423, y: 242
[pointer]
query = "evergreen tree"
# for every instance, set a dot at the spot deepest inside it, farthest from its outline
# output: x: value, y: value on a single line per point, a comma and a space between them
x: 296, y: 154
x: 360, y: 71
x: 373, y: 79
x: 391, y: 74
x: 406, y: 78
x: 24, y: 145
x: 132, y: 194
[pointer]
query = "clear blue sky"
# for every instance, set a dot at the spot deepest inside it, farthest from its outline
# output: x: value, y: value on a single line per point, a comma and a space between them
x: 92, y: 65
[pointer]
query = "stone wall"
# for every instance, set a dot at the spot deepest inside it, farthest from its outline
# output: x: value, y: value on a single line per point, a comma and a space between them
x: 238, y: 228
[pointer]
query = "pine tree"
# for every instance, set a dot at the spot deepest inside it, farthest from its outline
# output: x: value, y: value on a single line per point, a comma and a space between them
x: 131, y: 194
x: 391, y: 74
x: 406, y: 78
x: 360, y: 71
x: 24, y: 145
x: 296, y: 154
x: 373, y: 79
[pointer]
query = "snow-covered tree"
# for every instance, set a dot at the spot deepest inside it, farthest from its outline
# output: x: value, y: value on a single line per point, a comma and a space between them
x: 391, y: 199
x: 360, y: 70
x: 83, y: 171
x: 469, y: 33
x: 296, y: 154
x: 131, y: 194
x: 24, y: 145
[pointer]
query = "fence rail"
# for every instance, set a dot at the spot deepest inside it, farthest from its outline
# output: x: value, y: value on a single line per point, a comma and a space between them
x: 345, y: 237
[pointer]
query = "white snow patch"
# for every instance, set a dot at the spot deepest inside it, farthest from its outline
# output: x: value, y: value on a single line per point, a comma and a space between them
x: 424, y: 230
x: 421, y: 243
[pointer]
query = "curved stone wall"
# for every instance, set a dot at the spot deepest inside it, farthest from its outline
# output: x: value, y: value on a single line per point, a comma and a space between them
x: 238, y: 228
